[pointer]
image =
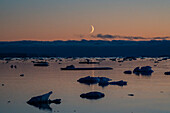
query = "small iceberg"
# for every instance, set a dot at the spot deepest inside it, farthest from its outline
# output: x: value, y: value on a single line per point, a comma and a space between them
x: 21, y: 75
x: 11, y: 66
x: 101, y: 81
x: 167, y: 73
x: 128, y: 72
x: 43, y: 101
x: 72, y: 67
x: 89, y: 80
x: 119, y: 83
x: 92, y: 95
x: 130, y: 94
x: 93, y: 80
x: 145, y: 70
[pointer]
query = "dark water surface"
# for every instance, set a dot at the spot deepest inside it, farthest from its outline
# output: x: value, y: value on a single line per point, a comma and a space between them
x: 151, y: 93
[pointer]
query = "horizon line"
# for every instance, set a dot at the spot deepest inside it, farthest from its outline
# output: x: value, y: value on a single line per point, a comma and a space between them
x: 82, y: 40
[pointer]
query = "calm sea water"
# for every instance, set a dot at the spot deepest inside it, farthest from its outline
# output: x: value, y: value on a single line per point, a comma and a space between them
x: 151, y: 93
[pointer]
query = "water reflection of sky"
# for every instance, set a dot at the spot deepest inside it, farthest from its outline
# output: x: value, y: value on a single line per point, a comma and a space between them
x: 151, y: 94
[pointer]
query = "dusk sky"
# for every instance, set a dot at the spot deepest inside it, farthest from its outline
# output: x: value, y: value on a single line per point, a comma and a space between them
x: 72, y: 19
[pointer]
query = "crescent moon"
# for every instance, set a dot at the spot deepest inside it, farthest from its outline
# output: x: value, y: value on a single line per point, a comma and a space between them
x: 92, y: 29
